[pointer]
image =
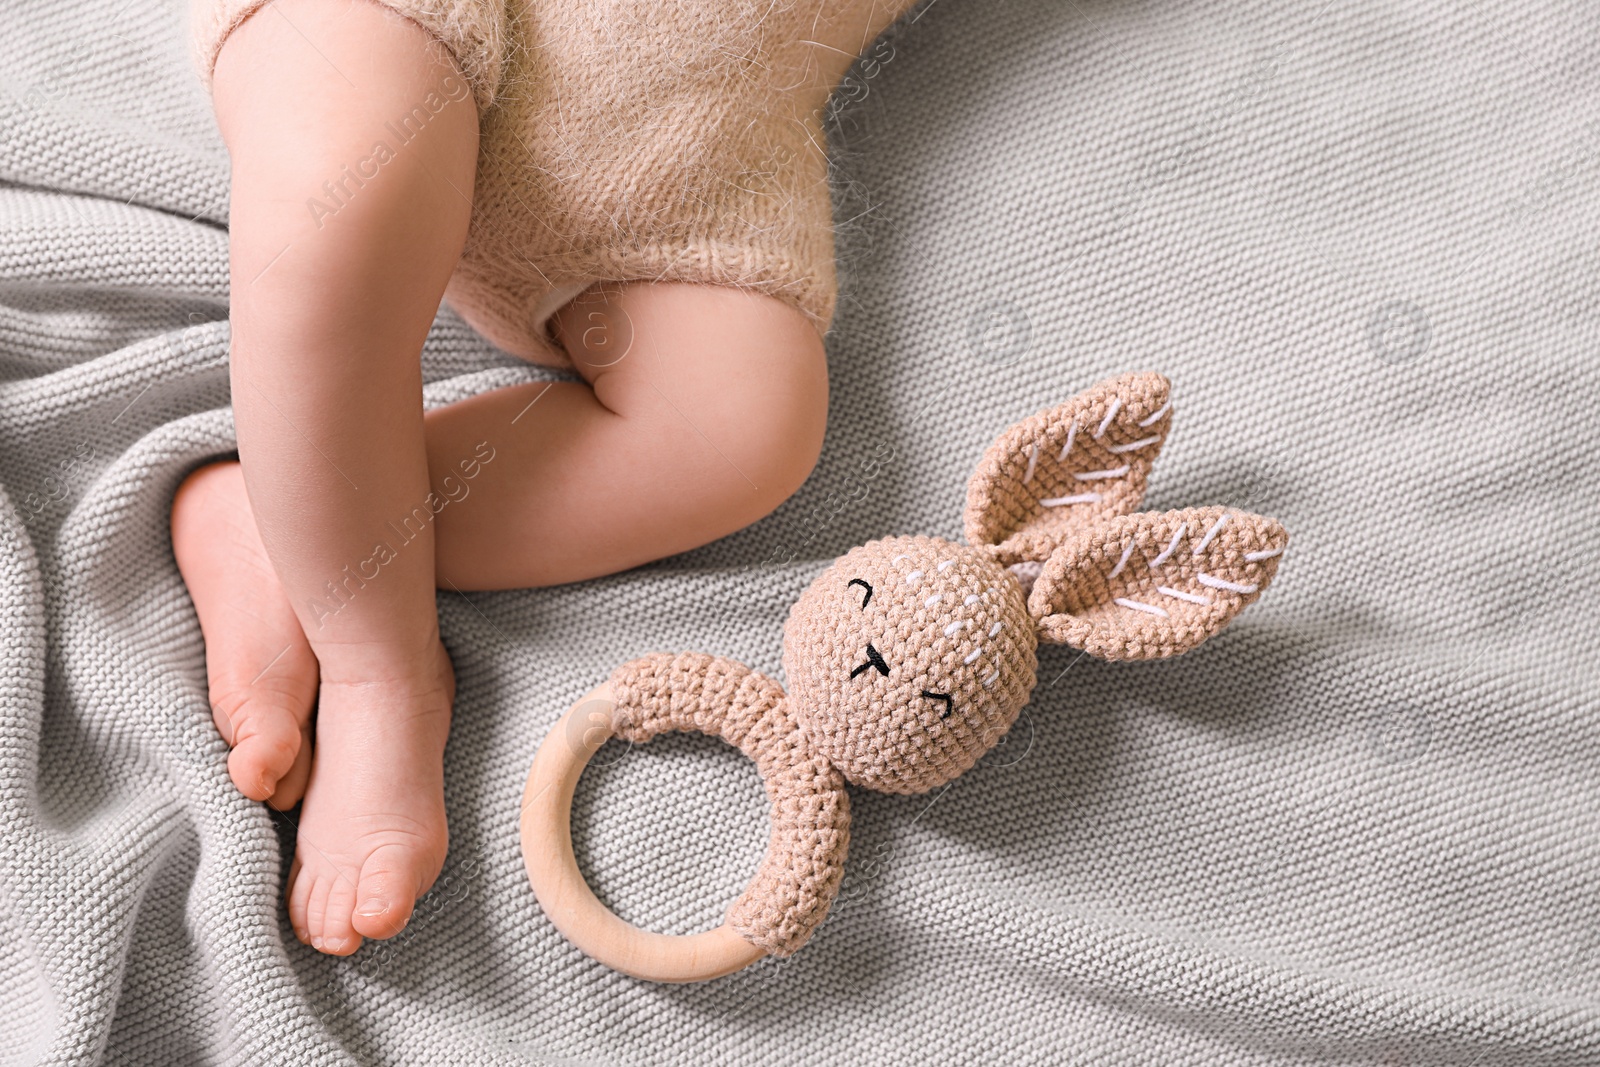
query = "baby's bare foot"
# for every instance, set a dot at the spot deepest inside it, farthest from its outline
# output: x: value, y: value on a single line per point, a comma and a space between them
x: 372, y: 833
x: 262, y: 674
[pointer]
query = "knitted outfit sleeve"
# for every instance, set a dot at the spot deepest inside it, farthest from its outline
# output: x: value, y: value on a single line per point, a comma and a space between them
x: 473, y: 30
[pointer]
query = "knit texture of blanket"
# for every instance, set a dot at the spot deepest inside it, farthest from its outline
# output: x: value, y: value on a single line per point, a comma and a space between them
x: 1359, y: 827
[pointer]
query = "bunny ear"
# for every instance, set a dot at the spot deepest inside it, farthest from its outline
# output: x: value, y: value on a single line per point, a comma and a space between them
x: 1064, y: 470
x: 1151, y: 585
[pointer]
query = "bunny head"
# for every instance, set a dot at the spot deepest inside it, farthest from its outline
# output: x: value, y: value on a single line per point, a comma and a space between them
x: 907, y: 659
x: 910, y: 657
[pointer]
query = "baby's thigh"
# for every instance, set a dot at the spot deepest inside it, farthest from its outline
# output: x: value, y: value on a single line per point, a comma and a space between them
x: 741, y: 370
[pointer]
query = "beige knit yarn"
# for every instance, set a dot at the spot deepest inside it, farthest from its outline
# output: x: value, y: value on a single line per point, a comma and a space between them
x: 909, y: 657
x: 907, y: 660
x: 620, y: 140
x: 799, y: 876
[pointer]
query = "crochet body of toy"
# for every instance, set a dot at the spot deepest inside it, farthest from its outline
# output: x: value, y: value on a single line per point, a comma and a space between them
x: 907, y: 659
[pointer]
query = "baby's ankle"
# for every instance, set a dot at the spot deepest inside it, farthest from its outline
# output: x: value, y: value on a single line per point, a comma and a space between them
x: 410, y: 660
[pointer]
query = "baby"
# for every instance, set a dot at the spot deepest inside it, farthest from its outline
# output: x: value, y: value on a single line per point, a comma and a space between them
x: 637, y: 191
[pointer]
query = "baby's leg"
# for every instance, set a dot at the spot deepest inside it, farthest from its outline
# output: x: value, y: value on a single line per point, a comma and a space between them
x: 706, y: 410
x: 342, y: 237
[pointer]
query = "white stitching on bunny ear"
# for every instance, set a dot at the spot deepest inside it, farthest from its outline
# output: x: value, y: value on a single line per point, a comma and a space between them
x: 1132, y: 446
x: 1111, y: 413
x: 1166, y: 553
x: 1219, y: 583
x: 1033, y: 461
x: 1123, y: 562
x: 1072, y: 432
x: 1100, y: 476
x: 1206, y: 540
x: 1079, y: 498
x: 1155, y: 417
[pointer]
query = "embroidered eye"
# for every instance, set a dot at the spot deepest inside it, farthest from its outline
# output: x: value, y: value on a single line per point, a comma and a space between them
x: 864, y: 585
x: 948, y: 703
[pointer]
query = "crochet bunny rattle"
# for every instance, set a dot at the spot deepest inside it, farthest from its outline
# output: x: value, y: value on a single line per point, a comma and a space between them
x: 907, y: 659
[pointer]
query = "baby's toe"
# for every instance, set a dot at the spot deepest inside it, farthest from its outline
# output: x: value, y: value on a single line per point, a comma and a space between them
x: 268, y: 730
x: 329, y: 900
x: 339, y: 937
x: 299, y: 901
x: 391, y: 880
x: 261, y: 673
x: 292, y: 786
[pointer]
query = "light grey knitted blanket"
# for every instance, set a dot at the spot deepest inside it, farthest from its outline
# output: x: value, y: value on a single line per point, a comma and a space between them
x: 1360, y: 827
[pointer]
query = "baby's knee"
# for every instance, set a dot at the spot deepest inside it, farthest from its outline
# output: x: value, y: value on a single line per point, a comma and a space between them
x: 767, y: 419
x: 777, y: 432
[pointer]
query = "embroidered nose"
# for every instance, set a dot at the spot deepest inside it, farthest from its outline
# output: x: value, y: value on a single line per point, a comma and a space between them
x: 873, y: 660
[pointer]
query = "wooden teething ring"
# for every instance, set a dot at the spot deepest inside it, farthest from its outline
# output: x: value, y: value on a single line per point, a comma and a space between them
x: 563, y: 894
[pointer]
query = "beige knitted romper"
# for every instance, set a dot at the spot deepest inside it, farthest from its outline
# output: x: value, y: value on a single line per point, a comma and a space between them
x: 671, y: 140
